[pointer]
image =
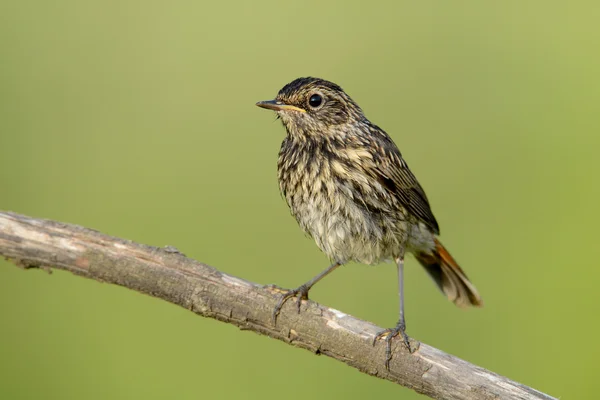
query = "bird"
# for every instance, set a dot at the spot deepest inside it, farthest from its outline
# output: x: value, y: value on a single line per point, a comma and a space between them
x: 349, y: 188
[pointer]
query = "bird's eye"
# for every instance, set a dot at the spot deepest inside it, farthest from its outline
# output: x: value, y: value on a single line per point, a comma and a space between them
x: 315, y: 100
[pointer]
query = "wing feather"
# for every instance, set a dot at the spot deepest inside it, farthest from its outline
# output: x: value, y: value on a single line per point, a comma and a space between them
x: 393, y: 173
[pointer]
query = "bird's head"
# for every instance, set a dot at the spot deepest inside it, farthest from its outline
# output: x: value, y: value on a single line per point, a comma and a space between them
x: 314, y: 107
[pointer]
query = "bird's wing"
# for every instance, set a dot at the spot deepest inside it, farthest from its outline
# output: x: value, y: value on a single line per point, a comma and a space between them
x: 390, y: 169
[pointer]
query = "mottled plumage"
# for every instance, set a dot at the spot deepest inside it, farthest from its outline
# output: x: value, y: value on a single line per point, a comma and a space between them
x: 349, y: 188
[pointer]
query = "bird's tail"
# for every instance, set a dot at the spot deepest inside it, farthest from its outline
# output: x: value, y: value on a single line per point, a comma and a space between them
x: 449, y: 277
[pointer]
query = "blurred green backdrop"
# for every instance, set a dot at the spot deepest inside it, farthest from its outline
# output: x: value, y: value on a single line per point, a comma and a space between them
x: 137, y: 118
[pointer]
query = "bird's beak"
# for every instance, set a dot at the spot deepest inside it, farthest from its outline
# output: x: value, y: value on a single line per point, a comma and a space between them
x: 278, y: 106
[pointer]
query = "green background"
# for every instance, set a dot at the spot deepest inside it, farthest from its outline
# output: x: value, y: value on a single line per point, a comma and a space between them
x: 137, y: 118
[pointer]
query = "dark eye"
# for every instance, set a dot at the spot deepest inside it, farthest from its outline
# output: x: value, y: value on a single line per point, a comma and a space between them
x: 315, y: 100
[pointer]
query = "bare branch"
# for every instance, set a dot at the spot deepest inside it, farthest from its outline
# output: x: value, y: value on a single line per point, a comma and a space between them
x: 169, y: 275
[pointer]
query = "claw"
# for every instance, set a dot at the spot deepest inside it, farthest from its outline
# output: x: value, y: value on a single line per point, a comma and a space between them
x: 301, y: 293
x: 389, y: 335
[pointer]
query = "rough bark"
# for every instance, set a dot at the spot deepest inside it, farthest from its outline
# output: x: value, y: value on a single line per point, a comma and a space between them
x: 169, y: 275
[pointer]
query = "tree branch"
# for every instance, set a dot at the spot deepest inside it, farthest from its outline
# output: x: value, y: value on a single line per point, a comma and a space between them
x: 169, y: 275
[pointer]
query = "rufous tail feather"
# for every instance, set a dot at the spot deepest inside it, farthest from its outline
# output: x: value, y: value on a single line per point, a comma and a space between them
x: 449, y: 277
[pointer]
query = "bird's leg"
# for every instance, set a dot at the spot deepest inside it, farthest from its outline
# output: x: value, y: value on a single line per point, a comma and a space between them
x: 401, y: 325
x: 301, y: 292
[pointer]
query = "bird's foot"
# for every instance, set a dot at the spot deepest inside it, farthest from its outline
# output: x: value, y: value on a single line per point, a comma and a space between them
x: 389, y: 335
x: 301, y: 293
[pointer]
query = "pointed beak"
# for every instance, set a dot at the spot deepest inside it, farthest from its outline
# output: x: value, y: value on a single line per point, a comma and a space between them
x: 278, y: 106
